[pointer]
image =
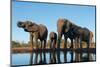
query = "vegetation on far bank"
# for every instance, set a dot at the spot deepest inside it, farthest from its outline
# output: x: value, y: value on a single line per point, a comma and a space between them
x: 16, y: 44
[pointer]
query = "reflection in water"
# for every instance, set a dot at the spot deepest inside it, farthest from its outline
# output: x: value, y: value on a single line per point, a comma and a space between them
x: 77, y: 57
x: 71, y: 56
x: 47, y: 58
x: 68, y: 57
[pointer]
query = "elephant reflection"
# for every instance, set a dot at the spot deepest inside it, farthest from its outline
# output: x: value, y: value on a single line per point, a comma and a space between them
x: 38, y: 32
x: 73, y: 32
x: 53, y: 39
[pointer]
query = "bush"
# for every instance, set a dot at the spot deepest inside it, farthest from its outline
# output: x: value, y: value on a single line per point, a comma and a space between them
x: 15, y: 44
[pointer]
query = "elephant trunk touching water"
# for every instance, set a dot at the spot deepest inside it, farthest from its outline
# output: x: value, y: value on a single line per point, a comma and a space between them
x: 38, y: 32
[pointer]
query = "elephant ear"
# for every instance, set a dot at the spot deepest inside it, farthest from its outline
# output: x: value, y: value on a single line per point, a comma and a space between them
x: 67, y: 25
x: 29, y: 23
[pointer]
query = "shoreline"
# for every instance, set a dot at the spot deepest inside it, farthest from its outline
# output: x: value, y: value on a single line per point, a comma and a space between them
x: 29, y: 49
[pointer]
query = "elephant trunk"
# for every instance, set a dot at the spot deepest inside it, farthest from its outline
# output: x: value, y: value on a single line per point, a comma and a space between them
x: 20, y: 24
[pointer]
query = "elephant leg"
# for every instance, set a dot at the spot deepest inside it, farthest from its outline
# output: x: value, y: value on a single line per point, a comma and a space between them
x: 88, y: 54
x: 77, y: 55
x: 90, y: 45
x: 51, y: 50
x: 36, y: 58
x: 54, y: 51
x: 31, y: 40
x: 41, y: 53
x: 90, y: 42
x: 81, y: 42
x: 72, y: 50
x: 80, y: 48
x: 44, y: 51
x: 76, y: 43
x: 91, y: 39
x: 58, y: 48
x: 65, y: 51
x: 31, y: 54
x: 72, y: 43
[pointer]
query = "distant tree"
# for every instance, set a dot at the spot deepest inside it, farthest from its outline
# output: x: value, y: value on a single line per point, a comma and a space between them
x: 15, y: 44
x: 23, y: 44
x: 18, y: 44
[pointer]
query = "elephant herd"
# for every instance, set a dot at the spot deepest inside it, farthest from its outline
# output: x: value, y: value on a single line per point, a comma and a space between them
x: 65, y: 27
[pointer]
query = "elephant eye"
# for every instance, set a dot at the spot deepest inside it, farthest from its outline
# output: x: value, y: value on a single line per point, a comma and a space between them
x: 30, y: 25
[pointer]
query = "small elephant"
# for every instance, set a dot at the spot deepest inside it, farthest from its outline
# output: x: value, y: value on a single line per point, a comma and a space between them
x: 38, y: 32
x: 53, y: 39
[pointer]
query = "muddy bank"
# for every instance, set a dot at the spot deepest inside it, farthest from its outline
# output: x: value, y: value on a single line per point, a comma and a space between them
x: 27, y: 50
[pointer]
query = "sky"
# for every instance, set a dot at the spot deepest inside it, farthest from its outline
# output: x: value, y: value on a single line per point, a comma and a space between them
x: 48, y: 14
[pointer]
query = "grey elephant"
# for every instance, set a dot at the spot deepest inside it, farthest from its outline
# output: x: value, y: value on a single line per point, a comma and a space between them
x: 53, y: 40
x: 63, y: 26
x: 84, y: 34
x: 38, y: 32
x: 74, y: 32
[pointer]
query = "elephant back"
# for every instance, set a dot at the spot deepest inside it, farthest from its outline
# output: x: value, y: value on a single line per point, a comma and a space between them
x: 43, y: 32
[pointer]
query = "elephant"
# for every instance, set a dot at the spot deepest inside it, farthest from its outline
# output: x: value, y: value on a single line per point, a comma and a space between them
x: 73, y: 32
x: 85, y: 35
x: 53, y: 39
x: 63, y: 28
x: 38, y: 31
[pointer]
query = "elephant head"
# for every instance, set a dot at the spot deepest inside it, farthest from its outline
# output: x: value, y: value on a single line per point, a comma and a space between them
x: 63, y: 25
x: 28, y: 26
